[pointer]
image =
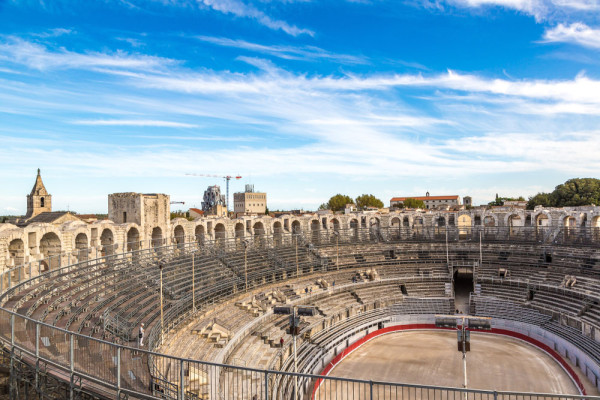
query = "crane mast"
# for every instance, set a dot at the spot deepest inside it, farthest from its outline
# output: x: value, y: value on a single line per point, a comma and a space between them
x: 227, y: 179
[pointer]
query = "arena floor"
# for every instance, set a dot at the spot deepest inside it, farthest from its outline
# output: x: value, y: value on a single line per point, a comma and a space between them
x: 431, y: 358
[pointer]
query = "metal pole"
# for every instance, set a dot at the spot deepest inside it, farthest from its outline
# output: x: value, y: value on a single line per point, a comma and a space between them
x: 72, y: 367
x: 193, y: 283
x: 447, y: 255
x: 246, y: 265
x: 295, y: 354
x: 266, y: 385
x: 480, y: 252
x: 118, y: 373
x: 337, y: 249
x: 297, y: 266
x: 162, y: 321
x: 181, y: 381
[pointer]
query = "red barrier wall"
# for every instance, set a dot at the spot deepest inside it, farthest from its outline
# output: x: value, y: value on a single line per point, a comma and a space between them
x: 398, y: 328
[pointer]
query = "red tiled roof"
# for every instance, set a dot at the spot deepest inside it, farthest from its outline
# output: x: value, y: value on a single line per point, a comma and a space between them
x: 197, y: 210
x: 454, y: 197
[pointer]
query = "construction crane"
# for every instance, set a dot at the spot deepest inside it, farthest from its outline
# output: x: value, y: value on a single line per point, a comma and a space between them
x: 227, y: 179
x: 178, y: 202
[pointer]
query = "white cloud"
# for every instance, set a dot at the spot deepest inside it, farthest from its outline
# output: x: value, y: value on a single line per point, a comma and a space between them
x: 37, y: 56
x: 285, y: 52
x: 146, y: 123
x: 540, y: 9
x: 240, y: 9
x: 576, y: 33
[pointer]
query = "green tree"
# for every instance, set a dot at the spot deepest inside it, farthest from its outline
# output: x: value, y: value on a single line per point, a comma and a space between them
x: 499, y: 201
x: 574, y: 192
x: 368, y: 200
x: 414, y: 203
x: 337, y: 203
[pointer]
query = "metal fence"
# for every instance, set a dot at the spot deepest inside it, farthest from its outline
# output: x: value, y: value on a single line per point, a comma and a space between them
x: 89, y: 365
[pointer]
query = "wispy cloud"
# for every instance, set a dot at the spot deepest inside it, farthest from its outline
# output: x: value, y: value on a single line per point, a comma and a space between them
x: 540, y: 9
x: 307, y: 53
x: 576, y: 33
x: 243, y: 10
x: 37, y: 56
x: 130, y: 122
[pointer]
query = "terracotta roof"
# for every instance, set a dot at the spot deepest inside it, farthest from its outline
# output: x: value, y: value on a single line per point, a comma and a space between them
x: 197, y: 210
x: 424, y: 198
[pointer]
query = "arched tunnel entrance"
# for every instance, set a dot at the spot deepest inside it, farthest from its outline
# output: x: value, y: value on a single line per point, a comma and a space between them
x: 463, y: 286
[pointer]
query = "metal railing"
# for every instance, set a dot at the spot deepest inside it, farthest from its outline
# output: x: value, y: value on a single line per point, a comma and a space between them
x: 113, y: 371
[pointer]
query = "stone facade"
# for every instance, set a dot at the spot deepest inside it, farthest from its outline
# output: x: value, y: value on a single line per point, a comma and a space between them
x: 146, y: 223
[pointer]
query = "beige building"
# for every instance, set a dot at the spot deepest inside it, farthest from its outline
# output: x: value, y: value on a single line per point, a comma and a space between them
x: 249, y: 202
x: 431, y: 202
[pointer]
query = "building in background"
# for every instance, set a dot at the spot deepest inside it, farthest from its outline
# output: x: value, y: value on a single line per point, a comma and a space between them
x: 431, y: 202
x: 39, y: 208
x: 213, y: 202
x: 467, y: 201
x: 249, y: 202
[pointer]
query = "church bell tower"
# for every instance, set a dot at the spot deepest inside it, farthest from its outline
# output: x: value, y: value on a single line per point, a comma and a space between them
x: 38, y: 201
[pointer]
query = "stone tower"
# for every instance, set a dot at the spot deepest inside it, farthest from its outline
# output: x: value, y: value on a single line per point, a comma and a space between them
x: 38, y: 201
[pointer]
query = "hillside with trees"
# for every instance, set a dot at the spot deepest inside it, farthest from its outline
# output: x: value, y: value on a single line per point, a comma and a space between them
x: 574, y: 192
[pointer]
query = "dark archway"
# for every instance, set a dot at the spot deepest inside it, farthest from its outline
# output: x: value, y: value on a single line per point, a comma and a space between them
x: 179, y: 234
x: 133, y: 239
x: 199, y: 232
x: 107, y: 242
x: 81, y: 247
x: 50, y: 248
x: 16, y: 252
x: 157, y: 237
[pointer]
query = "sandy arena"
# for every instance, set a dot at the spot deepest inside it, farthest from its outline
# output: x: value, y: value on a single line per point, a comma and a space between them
x: 495, y: 362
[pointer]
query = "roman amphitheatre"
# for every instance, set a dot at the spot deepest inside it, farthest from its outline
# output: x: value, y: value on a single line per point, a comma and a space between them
x: 370, y: 289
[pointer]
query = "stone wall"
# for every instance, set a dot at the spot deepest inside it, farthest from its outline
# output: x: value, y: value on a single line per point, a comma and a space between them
x: 145, y: 213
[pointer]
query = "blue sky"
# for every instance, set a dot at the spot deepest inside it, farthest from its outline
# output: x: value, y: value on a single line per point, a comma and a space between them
x: 303, y: 98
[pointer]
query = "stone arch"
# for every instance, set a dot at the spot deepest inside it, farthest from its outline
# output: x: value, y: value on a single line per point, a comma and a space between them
x: 239, y: 230
x: 542, y: 220
x: 157, y: 237
x: 489, y: 221
x: 258, y: 228
x: 200, y: 233
x: 418, y: 221
x: 596, y: 227
x: 42, y: 202
x: 179, y: 236
x: 354, y: 227
x: 107, y: 241
x: 406, y: 222
x: 395, y: 227
x: 514, y: 220
x: 464, y: 225
x: 220, y: 233
x: 315, y: 231
x: 133, y: 239
x: 335, y: 224
x: 569, y: 226
x: 296, y: 227
x: 569, y: 222
x: 583, y: 220
x: 440, y: 221
x: 528, y: 220
x: 277, y: 233
x: 50, y: 248
x: 477, y: 220
x: 16, y: 252
x: 81, y: 247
